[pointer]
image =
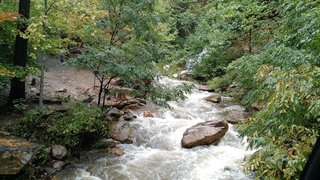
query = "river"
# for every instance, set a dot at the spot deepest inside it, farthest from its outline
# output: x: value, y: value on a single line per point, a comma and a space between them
x: 156, y: 153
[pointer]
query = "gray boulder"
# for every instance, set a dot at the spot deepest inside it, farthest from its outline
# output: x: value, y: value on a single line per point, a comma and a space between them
x: 205, y: 133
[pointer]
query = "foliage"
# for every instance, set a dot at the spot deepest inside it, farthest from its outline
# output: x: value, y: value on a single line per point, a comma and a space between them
x: 70, y: 128
x: 284, y: 151
x: 283, y: 78
x: 212, y: 65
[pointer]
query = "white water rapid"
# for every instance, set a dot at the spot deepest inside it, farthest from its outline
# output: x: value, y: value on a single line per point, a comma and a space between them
x: 156, y: 153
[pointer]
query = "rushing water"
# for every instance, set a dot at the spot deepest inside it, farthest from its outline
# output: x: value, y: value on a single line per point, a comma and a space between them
x: 157, y: 154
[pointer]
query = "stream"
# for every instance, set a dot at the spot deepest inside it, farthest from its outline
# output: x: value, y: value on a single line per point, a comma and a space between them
x: 156, y: 153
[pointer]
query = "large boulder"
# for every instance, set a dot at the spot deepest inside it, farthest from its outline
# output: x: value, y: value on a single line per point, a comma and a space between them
x: 215, y: 98
x: 205, y: 133
x: 122, y: 131
x: 15, y: 153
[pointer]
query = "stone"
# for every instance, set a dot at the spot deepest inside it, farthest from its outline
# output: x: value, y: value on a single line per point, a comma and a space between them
x: 205, y: 88
x: 128, y: 103
x: 129, y: 116
x: 131, y: 107
x: 116, y: 151
x: 58, y: 165
x: 148, y: 114
x: 114, y: 112
x: 142, y: 100
x: 185, y: 76
x: 122, y: 131
x: 205, y: 133
x: 58, y: 152
x: 88, y: 100
x: 64, y: 90
x: 215, y: 98
x: 15, y: 153
x: 34, y: 90
x: 107, y: 143
x: 234, y: 117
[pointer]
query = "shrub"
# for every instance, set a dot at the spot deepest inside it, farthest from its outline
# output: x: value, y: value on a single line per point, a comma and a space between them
x: 287, y: 128
x: 71, y: 128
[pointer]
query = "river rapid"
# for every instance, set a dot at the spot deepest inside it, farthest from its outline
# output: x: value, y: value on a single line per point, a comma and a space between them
x: 156, y: 153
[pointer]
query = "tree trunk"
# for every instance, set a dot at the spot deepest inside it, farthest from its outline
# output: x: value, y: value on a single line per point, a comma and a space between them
x: 17, y: 90
x: 250, y: 41
x: 41, y: 81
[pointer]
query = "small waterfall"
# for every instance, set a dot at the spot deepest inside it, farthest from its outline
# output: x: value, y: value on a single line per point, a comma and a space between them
x: 156, y: 153
x: 191, y: 63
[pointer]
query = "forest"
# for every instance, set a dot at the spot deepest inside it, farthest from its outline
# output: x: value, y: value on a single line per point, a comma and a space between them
x: 263, y: 54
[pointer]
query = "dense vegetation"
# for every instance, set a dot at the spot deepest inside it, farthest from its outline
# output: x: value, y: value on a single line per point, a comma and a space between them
x: 268, y: 51
x: 274, y: 49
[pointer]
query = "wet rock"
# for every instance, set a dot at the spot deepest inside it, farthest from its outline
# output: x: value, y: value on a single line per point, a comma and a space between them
x: 148, y: 114
x: 215, y: 98
x: 206, y: 88
x: 131, y: 107
x: 234, y: 117
x: 15, y: 153
x: 205, y: 133
x: 128, y: 116
x: 128, y: 103
x: 114, y: 112
x: 58, y: 165
x: 121, y: 131
x: 58, y: 152
x: 116, y: 151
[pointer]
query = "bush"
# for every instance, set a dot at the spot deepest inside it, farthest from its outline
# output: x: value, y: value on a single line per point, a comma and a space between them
x: 71, y: 128
x: 289, y: 125
x: 284, y: 151
x: 244, y: 70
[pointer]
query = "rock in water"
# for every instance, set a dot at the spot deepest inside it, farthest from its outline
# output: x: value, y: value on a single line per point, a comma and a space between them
x: 59, y: 152
x: 205, y: 88
x: 205, y: 133
x: 116, y: 151
x: 215, y: 98
x: 128, y: 116
x: 148, y: 114
x: 234, y: 117
x: 121, y: 131
x: 15, y: 154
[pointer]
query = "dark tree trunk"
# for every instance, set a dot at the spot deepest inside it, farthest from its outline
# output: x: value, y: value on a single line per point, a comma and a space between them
x: 17, y: 90
x: 250, y: 41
